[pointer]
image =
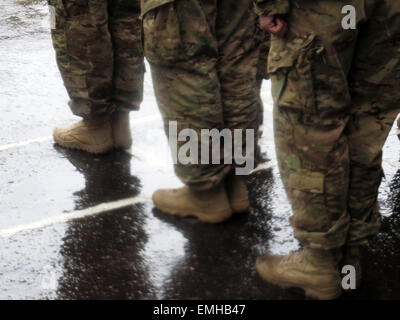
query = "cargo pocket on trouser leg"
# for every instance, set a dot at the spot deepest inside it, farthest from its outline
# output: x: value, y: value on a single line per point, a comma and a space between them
x: 308, y: 77
x: 161, y: 35
x: 316, y: 221
x: 290, y: 66
x: 306, y: 191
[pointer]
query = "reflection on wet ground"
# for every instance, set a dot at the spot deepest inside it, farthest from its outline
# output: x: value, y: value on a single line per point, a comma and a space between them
x: 98, y: 251
x: 134, y: 252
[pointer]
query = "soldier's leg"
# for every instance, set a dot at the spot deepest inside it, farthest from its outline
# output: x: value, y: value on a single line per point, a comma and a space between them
x: 182, y: 51
x: 128, y: 75
x: 181, y: 47
x: 375, y: 91
x: 85, y: 56
x: 309, y: 71
x: 239, y: 42
x: 312, y: 100
x: 84, y: 53
x: 239, y: 55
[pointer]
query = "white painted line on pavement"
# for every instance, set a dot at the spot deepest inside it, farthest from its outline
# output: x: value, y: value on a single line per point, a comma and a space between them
x: 108, y: 206
x: 265, y: 166
x: 73, y: 215
x: 23, y: 143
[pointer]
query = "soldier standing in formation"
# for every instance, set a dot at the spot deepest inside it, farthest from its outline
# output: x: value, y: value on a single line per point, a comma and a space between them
x: 99, y: 54
x: 204, y: 60
x: 336, y: 95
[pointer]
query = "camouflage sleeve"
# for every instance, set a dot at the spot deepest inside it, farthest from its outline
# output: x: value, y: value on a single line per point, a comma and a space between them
x: 271, y: 7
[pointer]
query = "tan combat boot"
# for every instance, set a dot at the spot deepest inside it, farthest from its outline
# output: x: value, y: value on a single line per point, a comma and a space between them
x: 237, y: 193
x: 314, y: 271
x: 121, y: 129
x: 210, y: 206
x: 93, y: 136
x: 352, y: 257
x: 98, y: 135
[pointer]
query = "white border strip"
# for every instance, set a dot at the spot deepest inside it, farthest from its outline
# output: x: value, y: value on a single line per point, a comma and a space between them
x: 73, y: 215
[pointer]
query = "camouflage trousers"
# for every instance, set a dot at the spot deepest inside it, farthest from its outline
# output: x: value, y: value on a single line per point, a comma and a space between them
x: 99, y: 53
x: 204, y: 58
x: 336, y: 94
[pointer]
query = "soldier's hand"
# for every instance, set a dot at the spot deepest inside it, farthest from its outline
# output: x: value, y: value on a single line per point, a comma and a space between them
x: 274, y: 25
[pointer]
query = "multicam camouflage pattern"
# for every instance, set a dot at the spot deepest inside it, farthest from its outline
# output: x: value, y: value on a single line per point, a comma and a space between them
x: 272, y: 7
x: 204, y: 60
x: 147, y: 5
x: 99, y: 53
x: 336, y: 95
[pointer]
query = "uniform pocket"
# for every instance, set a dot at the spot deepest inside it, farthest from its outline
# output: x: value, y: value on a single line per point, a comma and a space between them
x: 290, y: 65
x: 162, y: 42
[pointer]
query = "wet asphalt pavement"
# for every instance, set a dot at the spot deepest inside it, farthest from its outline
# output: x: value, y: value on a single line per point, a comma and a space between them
x: 77, y: 226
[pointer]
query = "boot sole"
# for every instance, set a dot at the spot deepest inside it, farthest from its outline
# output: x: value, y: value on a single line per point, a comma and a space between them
x: 326, y: 293
x: 98, y: 149
x: 216, y: 217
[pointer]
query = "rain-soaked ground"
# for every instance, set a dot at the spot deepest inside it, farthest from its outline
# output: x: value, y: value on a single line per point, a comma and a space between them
x: 76, y: 226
